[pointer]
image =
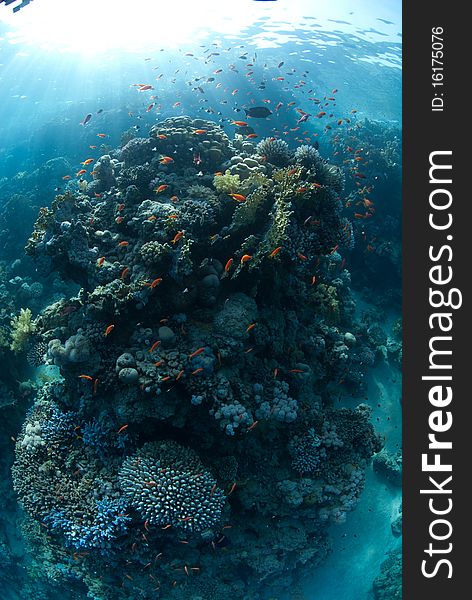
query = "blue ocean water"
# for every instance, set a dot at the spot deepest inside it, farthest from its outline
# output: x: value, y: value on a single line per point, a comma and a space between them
x: 81, y: 81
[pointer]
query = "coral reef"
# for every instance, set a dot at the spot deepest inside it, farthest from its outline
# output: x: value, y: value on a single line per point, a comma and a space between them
x: 388, y: 585
x: 211, y: 149
x: 191, y: 444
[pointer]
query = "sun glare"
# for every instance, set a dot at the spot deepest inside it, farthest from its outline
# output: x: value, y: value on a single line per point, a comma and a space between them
x: 92, y: 26
x: 95, y: 26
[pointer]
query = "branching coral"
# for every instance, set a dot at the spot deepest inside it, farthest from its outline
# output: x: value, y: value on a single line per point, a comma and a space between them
x: 227, y: 183
x: 308, y: 156
x: 248, y: 212
x: 168, y: 485
x: 276, y: 151
x: 307, y: 452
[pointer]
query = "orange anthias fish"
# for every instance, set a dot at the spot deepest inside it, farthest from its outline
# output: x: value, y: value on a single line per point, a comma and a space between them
x: 200, y: 131
x: 251, y: 136
x: 251, y: 326
x: 123, y: 244
x: 108, y: 330
x: 165, y: 160
x: 124, y: 273
x: 122, y: 428
x: 155, y: 283
x: 154, y: 346
x: 178, y: 236
x: 245, y: 258
x: 275, y: 252
x: 240, y: 123
x: 66, y: 177
x: 161, y: 188
x: 238, y: 197
x: 101, y: 135
x: 87, y: 377
x: 88, y: 161
x: 81, y: 172
x: 100, y: 261
x: 228, y: 265
x: 196, y: 352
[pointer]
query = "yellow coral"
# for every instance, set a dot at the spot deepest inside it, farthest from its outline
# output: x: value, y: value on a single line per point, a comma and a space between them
x: 254, y: 181
x: 277, y: 231
x: 22, y: 326
x: 245, y: 213
x: 227, y: 183
x: 326, y: 298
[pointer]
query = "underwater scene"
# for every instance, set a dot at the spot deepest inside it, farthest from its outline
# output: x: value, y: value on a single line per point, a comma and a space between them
x: 200, y: 300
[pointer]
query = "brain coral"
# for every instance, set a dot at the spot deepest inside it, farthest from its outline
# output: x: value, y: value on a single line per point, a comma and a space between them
x: 168, y: 485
